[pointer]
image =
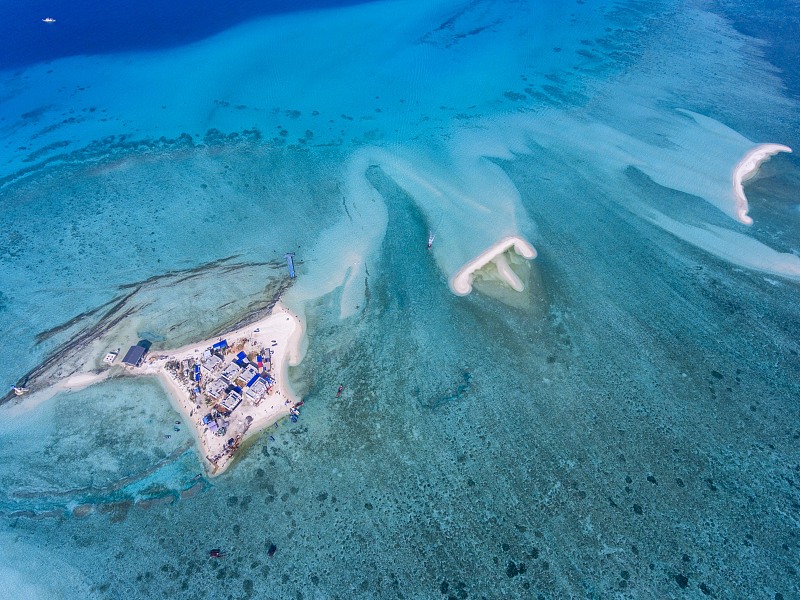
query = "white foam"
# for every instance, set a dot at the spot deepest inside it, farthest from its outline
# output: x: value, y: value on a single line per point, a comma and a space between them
x: 415, y: 78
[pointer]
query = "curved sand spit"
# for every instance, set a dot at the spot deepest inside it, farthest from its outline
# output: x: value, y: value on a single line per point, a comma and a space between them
x: 745, y: 169
x: 461, y: 282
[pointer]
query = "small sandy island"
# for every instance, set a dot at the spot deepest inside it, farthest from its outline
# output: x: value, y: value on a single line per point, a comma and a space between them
x: 228, y: 388
x: 231, y: 388
x: 745, y: 169
x: 461, y: 282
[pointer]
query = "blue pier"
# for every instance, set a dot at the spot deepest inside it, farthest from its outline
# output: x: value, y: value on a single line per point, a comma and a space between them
x: 289, y: 256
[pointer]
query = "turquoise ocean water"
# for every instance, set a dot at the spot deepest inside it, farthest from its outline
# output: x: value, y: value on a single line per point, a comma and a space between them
x: 627, y: 426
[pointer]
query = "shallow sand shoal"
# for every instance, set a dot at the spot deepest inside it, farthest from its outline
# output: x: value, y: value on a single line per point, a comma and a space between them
x: 461, y: 282
x: 732, y: 246
x: 745, y: 169
x: 73, y: 383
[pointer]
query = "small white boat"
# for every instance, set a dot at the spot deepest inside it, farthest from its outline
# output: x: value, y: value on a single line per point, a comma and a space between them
x: 19, y: 390
x: 431, y: 237
x: 48, y: 20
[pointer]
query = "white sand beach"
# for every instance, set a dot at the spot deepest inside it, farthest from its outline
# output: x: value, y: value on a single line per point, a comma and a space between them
x: 747, y: 168
x: 461, y: 282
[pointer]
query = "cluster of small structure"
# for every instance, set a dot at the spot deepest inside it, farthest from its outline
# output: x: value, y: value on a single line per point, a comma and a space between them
x: 220, y: 386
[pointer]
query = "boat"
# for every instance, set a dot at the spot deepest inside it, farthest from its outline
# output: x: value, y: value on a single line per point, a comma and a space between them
x: 341, y: 387
x: 431, y: 237
x: 19, y: 390
x: 48, y: 20
x: 216, y: 553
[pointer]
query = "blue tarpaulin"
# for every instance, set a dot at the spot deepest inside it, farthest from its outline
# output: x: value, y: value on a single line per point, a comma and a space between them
x: 242, y: 355
x: 253, y: 380
x: 221, y: 345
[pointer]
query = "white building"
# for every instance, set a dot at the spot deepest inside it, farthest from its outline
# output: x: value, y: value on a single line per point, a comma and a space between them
x: 231, y: 401
x: 211, y: 364
x: 231, y: 372
x: 247, y: 375
x: 257, y: 390
x: 216, y: 389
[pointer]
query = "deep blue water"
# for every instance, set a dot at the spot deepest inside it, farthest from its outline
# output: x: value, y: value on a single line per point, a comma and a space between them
x: 91, y: 27
x: 777, y: 22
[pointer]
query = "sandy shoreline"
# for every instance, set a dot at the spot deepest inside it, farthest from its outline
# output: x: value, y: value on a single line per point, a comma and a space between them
x: 747, y: 168
x: 461, y: 282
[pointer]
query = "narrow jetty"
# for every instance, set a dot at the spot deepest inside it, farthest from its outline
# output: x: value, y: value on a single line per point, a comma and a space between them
x: 289, y: 256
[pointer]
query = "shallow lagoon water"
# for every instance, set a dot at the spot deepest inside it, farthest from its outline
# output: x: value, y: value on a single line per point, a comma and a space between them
x: 624, y: 427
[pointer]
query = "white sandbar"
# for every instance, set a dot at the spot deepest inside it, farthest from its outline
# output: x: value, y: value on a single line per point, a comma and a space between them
x: 73, y: 383
x: 281, y: 333
x: 745, y: 169
x: 461, y: 282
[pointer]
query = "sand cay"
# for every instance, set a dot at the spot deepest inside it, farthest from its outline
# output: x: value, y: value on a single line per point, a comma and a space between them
x: 461, y: 282
x: 747, y: 168
x: 224, y: 391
